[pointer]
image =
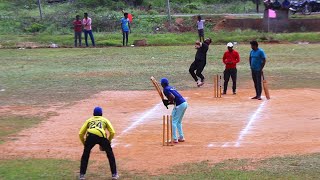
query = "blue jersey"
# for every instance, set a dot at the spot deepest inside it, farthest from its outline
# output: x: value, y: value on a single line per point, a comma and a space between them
x: 125, y: 24
x: 256, y: 59
x: 178, y: 99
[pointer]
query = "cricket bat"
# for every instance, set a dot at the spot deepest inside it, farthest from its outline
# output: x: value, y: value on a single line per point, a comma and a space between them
x: 156, y: 85
x: 265, y: 87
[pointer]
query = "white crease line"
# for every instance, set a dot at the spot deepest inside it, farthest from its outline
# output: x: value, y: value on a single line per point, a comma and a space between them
x: 137, y: 122
x: 253, y: 118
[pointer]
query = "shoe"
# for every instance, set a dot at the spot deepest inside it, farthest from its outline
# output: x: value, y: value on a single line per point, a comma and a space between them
x: 175, y: 141
x: 234, y: 93
x: 224, y: 93
x: 200, y: 84
x: 81, y: 177
x: 255, y: 97
x: 115, y: 176
x: 181, y: 140
x: 259, y: 98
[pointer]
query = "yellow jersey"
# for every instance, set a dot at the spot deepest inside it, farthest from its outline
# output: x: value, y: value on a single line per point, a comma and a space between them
x: 97, y: 125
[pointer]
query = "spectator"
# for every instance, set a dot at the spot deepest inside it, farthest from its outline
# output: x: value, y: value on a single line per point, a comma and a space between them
x: 286, y: 4
x: 200, y: 26
x: 86, y: 22
x: 77, y: 24
x: 125, y: 27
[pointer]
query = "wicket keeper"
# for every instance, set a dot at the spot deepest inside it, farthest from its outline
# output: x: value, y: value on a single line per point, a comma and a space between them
x: 94, y: 129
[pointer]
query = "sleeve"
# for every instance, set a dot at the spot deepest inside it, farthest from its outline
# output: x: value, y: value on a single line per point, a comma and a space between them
x: 224, y: 58
x: 89, y: 21
x: 204, y: 47
x: 111, y: 130
x: 166, y: 92
x: 83, y: 131
x: 237, y: 57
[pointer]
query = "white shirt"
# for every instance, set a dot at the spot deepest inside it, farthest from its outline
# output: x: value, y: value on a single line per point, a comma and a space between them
x: 87, y: 23
x: 200, y: 24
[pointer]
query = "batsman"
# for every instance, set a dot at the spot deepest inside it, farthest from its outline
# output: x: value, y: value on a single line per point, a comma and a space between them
x: 180, y: 106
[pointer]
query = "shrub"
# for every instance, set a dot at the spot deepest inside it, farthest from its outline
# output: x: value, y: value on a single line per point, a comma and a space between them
x: 35, y: 27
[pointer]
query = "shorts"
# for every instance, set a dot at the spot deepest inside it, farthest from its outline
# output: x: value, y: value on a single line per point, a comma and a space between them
x: 201, y: 32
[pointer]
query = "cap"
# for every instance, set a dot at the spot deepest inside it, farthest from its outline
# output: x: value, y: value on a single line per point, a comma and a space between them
x: 164, y: 81
x: 97, y: 111
x: 230, y: 44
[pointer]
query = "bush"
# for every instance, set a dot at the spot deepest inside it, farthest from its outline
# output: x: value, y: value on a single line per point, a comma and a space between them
x: 35, y: 27
x: 192, y: 6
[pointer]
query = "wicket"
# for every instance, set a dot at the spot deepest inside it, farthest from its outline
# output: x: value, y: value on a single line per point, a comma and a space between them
x: 167, y: 131
x: 217, y: 86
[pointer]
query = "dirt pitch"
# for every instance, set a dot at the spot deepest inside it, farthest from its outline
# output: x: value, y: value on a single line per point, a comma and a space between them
x: 215, y: 129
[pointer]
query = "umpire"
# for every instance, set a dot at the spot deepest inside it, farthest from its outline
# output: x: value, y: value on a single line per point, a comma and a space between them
x: 230, y: 59
x: 94, y: 128
x: 200, y: 61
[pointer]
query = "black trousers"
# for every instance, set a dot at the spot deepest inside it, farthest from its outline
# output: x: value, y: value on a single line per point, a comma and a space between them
x: 256, y: 77
x: 77, y: 37
x: 198, y: 67
x: 226, y: 76
x: 91, y: 141
x: 125, y: 36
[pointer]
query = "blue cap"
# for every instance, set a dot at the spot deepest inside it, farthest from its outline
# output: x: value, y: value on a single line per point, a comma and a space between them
x: 164, y: 81
x: 97, y: 111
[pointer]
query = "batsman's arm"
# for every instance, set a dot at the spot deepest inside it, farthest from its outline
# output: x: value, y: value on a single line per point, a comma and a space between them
x: 171, y: 98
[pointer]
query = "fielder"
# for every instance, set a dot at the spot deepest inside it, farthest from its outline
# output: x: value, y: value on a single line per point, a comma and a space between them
x: 178, y: 111
x: 200, y: 61
x: 94, y: 128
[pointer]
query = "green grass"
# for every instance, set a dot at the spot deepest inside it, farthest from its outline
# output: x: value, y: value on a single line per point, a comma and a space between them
x: 41, y: 76
x: 10, y: 125
x: 115, y: 39
x: 288, y: 167
x: 38, y: 169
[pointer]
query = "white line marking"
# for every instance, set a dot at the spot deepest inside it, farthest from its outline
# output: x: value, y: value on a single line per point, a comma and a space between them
x: 137, y: 122
x: 247, y: 128
x: 227, y: 144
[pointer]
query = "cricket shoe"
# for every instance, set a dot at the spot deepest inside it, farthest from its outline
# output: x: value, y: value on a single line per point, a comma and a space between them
x: 115, y: 176
x: 200, y: 83
x: 81, y: 177
x: 181, y: 140
x: 175, y: 141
